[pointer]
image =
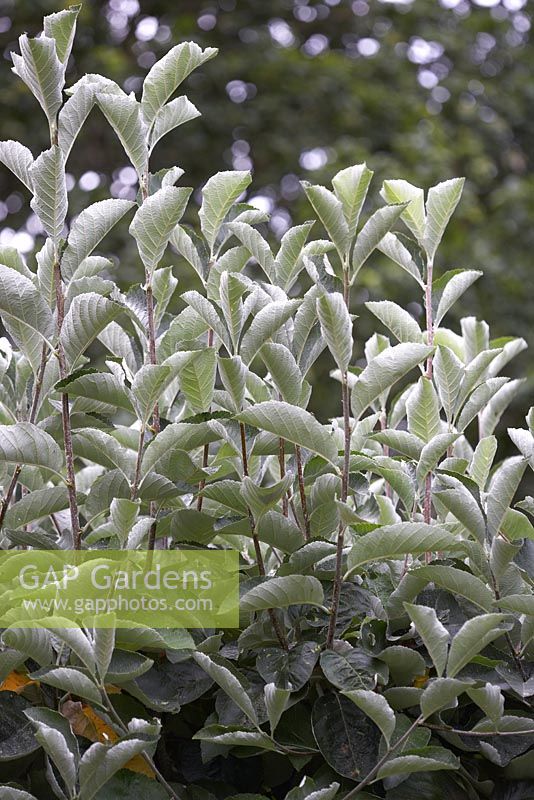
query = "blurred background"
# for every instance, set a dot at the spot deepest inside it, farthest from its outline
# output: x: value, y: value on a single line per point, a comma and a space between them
x: 424, y: 90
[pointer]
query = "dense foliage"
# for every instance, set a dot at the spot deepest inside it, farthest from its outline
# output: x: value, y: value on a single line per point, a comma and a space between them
x: 424, y: 90
x: 386, y: 638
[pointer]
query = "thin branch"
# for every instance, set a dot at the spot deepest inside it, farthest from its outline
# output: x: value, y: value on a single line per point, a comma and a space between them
x: 345, y: 399
x: 65, y: 410
x: 302, y: 493
x: 427, y: 502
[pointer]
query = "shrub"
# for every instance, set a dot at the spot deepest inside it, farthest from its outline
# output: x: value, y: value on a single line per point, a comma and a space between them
x: 386, y: 574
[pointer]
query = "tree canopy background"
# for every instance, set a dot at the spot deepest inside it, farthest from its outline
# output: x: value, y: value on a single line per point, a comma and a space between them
x: 425, y: 90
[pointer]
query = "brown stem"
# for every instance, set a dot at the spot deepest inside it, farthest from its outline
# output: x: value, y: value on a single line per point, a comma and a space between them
x: 65, y: 410
x: 427, y: 502
x: 302, y: 493
x: 345, y: 399
x: 138, y: 461
x: 282, y: 463
x: 385, y: 448
x: 280, y: 633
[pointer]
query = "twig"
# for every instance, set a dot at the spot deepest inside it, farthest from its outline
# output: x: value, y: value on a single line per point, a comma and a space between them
x: 65, y: 410
x: 302, y: 493
x: 345, y: 399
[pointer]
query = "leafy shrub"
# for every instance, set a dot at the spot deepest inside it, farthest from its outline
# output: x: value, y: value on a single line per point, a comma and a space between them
x: 386, y: 574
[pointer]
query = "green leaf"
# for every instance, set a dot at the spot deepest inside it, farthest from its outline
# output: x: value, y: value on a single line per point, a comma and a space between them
x: 400, y: 191
x: 377, y: 708
x: 433, y: 451
x: 197, y: 379
x: 502, y: 490
x: 18, y: 159
x: 351, y: 185
x: 176, y: 438
x: 395, y: 541
x: 346, y: 737
x: 383, y: 371
x: 17, y: 740
x: 61, y: 27
x: 440, y: 694
x: 218, y: 195
x: 336, y: 327
x: 288, y: 262
x: 519, y: 603
x: 42, y: 71
x: 255, y: 244
x: 25, y: 443
x: 393, y: 248
x: 168, y: 73
x: 100, y: 762
x: 441, y: 201
x: 471, y: 639
x: 372, y: 234
x: 88, y: 315
x: 349, y: 668
x: 234, y: 736
x: 171, y: 116
x: 70, y: 680
x: 16, y: 794
x: 434, y: 635
x: 293, y: 424
x: 405, y: 665
x: 209, y: 315
x: 55, y: 736
x: 330, y: 212
x: 282, y: 592
x: 454, y: 288
x: 284, y: 371
x: 402, y: 441
x: 482, y: 459
x: 88, y: 230
x: 402, y: 325
x: 276, y: 702
x: 461, y: 503
x: 103, y: 387
x: 448, y: 373
x: 123, y: 113
x: 147, y: 387
x: 34, y: 642
x: 422, y: 407
x: 36, y: 505
x: 25, y: 313
x: 230, y: 682
x: 288, y: 669
x: 50, y: 202
x: 424, y: 759
x: 155, y: 220
x: 102, y: 448
x: 261, y: 499
x: 490, y: 699
x: 267, y: 321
